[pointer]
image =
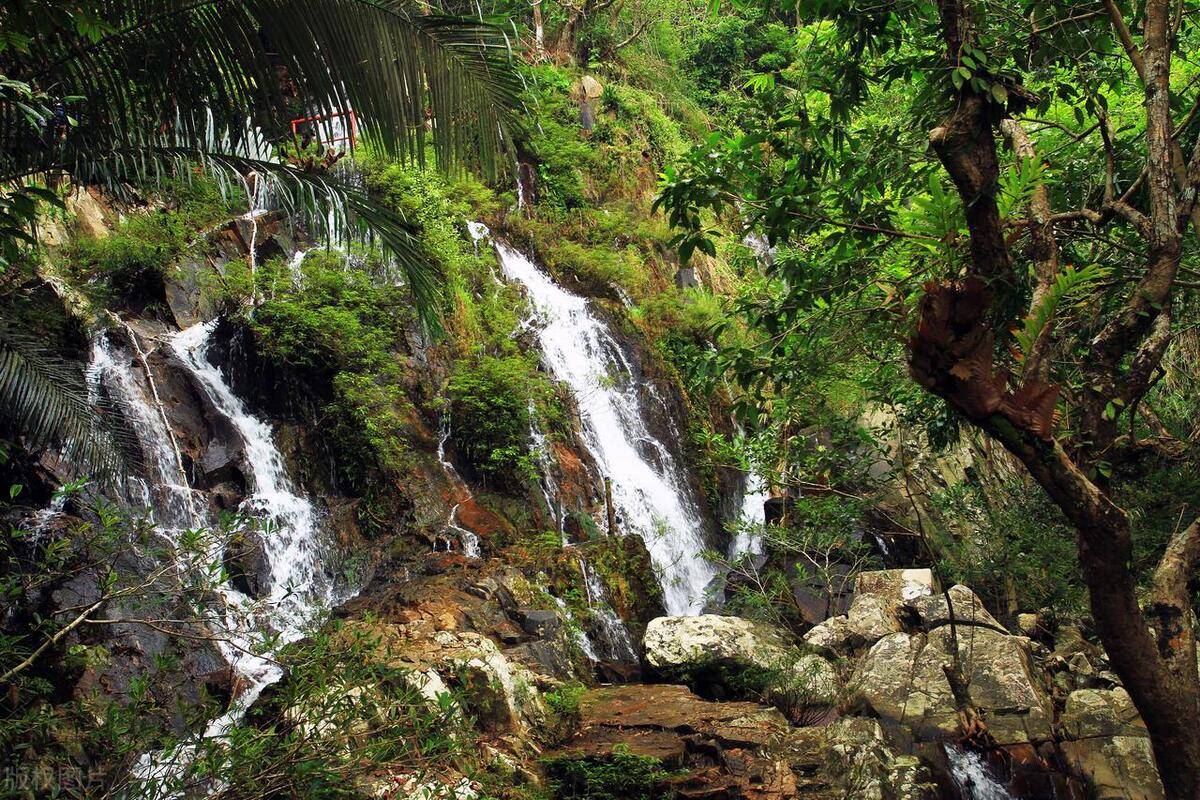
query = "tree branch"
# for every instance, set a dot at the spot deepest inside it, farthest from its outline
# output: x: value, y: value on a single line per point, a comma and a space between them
x: 1044, y: 251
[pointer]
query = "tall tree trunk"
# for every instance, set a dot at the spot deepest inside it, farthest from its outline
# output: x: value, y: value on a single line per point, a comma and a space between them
x: 952, y: 355
x: 539, y: 31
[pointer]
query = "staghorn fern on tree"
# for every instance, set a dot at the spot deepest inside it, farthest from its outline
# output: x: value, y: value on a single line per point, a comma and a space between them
x: 121, y: 94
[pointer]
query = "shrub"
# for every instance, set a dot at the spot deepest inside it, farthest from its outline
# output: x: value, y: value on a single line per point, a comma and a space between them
x: 340, y: 327
x: 618, y: 776
x: 489, y: 414
x: 132, y: 261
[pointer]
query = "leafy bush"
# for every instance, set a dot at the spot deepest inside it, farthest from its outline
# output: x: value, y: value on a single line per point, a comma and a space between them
x: 133, y: 259
x: 1024, y: 551
x: 489, y: 415
x: 341, y: 327
x: 619, y: 776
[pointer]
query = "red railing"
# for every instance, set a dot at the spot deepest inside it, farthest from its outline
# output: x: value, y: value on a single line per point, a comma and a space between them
x: 351, y: 131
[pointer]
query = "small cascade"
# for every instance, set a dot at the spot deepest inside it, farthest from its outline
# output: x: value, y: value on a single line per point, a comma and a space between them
x: 256, y: 199
x: 479, y: 232
x: 650, y: 489
x: 972, y: 776
x: 748, y: 539
x: 43, y: 518
x: 612, y: 628
x: 295, y: 267
x: 297, y: 587
x: 167, y: 492
x: 520, y: 187
x: 541, y: 451
x: 581, y: 639
x: 468, y: 540
x: 471, y: 546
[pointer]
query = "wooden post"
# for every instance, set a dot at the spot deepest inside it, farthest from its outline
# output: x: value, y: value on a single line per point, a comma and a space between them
x: 608, y: 504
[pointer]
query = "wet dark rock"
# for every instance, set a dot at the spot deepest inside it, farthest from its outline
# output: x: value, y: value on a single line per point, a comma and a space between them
x: 247, y: 565
x: 541, y: 624
x: 618, y: 672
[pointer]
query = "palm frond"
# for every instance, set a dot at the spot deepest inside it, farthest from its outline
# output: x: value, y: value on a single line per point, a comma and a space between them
x: 1070, y: 282
x: 43, y: 400
x: 189, y: 65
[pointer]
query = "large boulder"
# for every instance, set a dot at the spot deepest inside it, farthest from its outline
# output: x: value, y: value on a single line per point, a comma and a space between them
x: 673, y: 642
x: 934, y: 610
x: 880, y: 607
x: 500, y: 693
x: 1106, y: 743
x: 850, y: 759
x: 687, y: 647
x: 903, y: 680
x: 895, y: 585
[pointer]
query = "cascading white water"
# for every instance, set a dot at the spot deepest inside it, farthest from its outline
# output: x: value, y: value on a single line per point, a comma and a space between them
x: 652, y: 494
x: 44, y: 517
x: 468, y: 540
x: 298, y: 584
x: 748, y: 539
x: 619, y: 646
x: 167, y: 493
x: 296, y: 588
x: 541, y: 451
x: 581, y: 639
x: 973, y: 777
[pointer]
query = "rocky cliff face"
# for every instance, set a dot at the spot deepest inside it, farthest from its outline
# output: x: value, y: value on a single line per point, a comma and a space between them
x: 543, y: 642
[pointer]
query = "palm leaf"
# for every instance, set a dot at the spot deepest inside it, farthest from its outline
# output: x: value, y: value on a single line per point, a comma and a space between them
x: 42, y: 399
x: 191, y: 65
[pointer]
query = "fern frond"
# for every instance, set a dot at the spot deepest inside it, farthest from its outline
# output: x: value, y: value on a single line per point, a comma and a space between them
x: 1017, y: 185
x: 1070, y: 282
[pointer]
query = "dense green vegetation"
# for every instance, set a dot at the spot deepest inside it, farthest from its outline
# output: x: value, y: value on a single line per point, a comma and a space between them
x: 946, y: 300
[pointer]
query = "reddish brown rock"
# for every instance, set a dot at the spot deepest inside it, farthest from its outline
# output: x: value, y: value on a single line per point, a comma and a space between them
x: 719, y: 751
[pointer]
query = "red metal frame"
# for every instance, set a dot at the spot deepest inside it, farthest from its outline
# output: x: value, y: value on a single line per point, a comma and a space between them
x: 352, y: 137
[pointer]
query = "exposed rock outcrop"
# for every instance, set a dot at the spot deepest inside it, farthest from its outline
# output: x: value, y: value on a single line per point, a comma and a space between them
x: 1106, y: 743
x: 690, y: 647
x: 881, y: 600
x: 902, y: 678
x: 735, y: 750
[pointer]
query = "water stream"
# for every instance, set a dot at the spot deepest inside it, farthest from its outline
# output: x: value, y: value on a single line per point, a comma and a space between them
x: 248, y: 631
x: 651, y: 491
x: 167, y: 492
x: 468, y: 540
x: 973, y: 777
x: 615, y: 636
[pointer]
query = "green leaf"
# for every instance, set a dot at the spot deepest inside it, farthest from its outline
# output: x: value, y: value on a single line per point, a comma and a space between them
x: 1070, y: 282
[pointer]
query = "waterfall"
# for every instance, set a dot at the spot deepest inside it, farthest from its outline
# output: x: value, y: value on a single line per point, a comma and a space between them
x: 748, y: 539
x: 613, y: 630
x: 297, y: 587
x: 468, y: 540
x: 651, y: 492
x: 541, y: 450
x: 44, y: 517
x: 293, y: 542
x: 973, y: 777
x: 581, y: 639
x: 167, y: 493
